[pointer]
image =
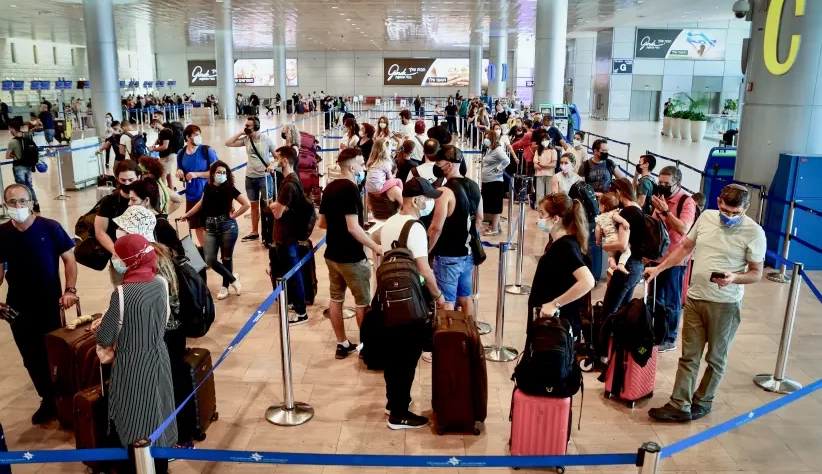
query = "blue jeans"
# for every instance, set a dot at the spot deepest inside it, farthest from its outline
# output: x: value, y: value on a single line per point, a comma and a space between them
x: 454, y: 276
x: 22, y: 175
x: 621, y: 286
x: 221, y: 234
x: 595, y: 253
x: 287, y: 257
x: 669, y: 295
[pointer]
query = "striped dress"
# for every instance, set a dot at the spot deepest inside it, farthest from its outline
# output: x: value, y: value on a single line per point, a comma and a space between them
x: 141, y: 396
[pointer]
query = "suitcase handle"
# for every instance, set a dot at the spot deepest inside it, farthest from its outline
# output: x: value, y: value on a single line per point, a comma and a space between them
x: 63, y: 313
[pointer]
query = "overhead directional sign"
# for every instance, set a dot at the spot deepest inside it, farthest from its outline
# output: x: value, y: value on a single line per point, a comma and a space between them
x: 623, y: 66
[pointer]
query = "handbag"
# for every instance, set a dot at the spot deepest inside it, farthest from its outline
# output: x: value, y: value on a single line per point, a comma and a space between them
x: 106, y: 354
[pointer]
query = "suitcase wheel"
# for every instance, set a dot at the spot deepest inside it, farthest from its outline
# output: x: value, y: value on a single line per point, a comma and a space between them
x: 631, y: 404
x: 215, y: 416
x: 440, y: 431
x: 560, y: 469
x: 476, y: 431
x: 608, y: 395
x: 586, y: 365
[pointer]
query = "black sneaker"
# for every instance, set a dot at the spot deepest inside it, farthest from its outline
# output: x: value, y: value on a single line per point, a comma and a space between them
x: 44, y: 414
x: 297, y: 319
x: 408, y: 421
x: 251, y: 237
x: 699, y: 411
x: 342, y: 352
x: 669, y: 413
x: 388, y: 412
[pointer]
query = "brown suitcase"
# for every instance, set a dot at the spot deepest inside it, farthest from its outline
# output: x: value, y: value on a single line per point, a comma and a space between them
x: 91, y: 421
x: 460, y: 379
x: 74, y: 364
x: 205, y: 400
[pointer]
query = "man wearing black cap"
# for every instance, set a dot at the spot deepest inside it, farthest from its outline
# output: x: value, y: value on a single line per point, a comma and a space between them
x: 407, y: 341
x: 457, y: 215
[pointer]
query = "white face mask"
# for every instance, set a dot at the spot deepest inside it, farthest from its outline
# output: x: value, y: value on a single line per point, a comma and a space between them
x: 19, y: 214
x: 545, y: 143
x: 382, y: 125
x: 197, y: 140
x: 577, y: 143
x: 220, y: 178
x: 566, y: 167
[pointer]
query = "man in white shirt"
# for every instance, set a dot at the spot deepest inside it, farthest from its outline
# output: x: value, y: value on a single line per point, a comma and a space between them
x: 125, y: 139
x: 426, y: 169
x: 407, y: 129
x: 407, y: 341
x: 729, y: 251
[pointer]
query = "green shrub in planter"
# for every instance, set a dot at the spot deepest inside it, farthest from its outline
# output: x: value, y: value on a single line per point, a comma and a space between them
x: 698, y: 117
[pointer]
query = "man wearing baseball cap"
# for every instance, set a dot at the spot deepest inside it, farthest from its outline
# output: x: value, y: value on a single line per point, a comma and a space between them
x: 407, y: 341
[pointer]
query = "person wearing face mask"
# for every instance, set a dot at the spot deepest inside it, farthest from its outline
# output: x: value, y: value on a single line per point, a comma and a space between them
x: 112, y: 142
x: 562, y: 181
x: 451, y: 111
x: 168, y: 201
x: 291, y: 136
x: 31, y: 248
x: 383, y: 131
x: 678, y: 211
x: 545, y: 163
x: 217, y: 206
x: 644, y: 182
x: 141, y: 395
x: 600, y: 170
x: 341, y: 216
x: 579, y: 151
x: 729, y: 252
x: 105, y: 230
x: 458, y: 215
x: 165, y: 146
x: 351, y: 134
x: 493, y: 190
x: 193, y: 164
x: 563, y: 275
x: 366, y: 143
x: 407, y: 341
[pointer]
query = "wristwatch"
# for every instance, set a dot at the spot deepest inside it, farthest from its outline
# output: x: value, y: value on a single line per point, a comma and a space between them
x: 665, y: 213
x: 71, y: 289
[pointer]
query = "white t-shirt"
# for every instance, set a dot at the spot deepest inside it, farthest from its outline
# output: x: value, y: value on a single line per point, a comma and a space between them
x: 408, y: 130
x: 425, y: 170
x: 723, y: 249
x: 125, y: 140
x: 417, y: 238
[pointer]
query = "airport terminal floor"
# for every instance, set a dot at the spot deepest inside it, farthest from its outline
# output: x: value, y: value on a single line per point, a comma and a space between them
x: 349, y: 400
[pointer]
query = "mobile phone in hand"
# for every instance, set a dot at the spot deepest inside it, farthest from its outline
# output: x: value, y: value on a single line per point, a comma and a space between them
x: 717, y: 275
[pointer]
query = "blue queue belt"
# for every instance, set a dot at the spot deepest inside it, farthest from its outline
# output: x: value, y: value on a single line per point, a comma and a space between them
x: 63, y: 455
x: 247, y: 327
x: 380, y: 460
x: 789, y: 264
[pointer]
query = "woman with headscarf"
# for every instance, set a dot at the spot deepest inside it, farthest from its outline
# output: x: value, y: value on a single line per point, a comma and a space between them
x: 140, y: 396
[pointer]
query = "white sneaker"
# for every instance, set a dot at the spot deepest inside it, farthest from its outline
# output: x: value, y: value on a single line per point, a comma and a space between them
x: 223, y: 294
x: 237, y: 286
x: 427, y: 356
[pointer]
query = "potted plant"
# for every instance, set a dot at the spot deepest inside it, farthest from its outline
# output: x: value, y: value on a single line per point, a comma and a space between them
x: 731, y: 105
x: 666, y: 121
x: 685, y: 125
x: 699, y: 123
x: 676, y: 117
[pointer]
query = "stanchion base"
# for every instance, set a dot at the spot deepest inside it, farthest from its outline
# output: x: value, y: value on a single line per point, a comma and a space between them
x: 502, y: 354
x: 769, y: 383
x: 483, y: 328
x: 513, y: 247
x: 348, y: 313
x: 279, y: 415
x: 62, y: 197
x: 518, y: 290
x: 779, y: 277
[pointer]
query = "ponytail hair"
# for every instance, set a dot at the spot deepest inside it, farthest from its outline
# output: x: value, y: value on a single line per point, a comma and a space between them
x: 573, y: 216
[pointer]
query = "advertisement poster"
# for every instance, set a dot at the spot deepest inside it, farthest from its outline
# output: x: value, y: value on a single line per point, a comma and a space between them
x: 202, y: 73
x: 254, y: 72
x: 291, y: 72
x: 451, y: 72
x: 680, y: 44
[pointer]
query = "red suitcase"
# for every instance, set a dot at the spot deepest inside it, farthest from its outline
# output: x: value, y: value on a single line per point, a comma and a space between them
x: 540, y: 426
x: 638, y: 381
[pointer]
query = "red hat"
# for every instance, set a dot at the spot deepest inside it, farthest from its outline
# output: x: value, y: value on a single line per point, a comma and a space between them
x: 419, y: 127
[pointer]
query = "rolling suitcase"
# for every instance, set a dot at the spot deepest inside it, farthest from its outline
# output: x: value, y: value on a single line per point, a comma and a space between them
x: 205, y: 400
x: 74, y: 364
x: 308, y: 270
x: 460, y: 379
x: 540, y: 426
x: 91, y: 421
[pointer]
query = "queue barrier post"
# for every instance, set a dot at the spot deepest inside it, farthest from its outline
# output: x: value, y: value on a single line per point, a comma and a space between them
x: 62, y: 196
x: 511, y: 201
x: 777, y: 382
x: 781, y: 276
x: 483, y: 327
x: 289, y: 412
x: 140, y: 453
x: 518, y: 288
x: 649, y: 457
x: 498, y: 352
x: 760, y: 213
x: 4, y: 216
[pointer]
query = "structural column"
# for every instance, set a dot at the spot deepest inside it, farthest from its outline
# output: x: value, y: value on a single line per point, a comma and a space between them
x: 498, y: 49
x: 224, y: 51
x: 549, y: 62
x: 279, y: 60
x: 101, y: 55
x: 511, y: 84
x: 783, y: 98
x: 475, y: 65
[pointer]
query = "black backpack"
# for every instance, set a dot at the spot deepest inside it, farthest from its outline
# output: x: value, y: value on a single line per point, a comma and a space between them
x: 114, y: 141
x: 398, y: 284
x: 305, y: 214
x: 584, y: 193
x: 87, y: 250
x: 179, y: 140
x: 31, y: 154
x: 656, y: 240
x: 196, y: 304
x: 548, y: 366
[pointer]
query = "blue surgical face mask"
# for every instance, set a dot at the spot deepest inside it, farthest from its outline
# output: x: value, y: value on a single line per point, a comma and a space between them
x: 544, y: 225
x: 486, y: 142
x: 429, y: 207
x: 118, y: 265
x: 220, y: 178
x: 360, y: 177
x: 729, y: 221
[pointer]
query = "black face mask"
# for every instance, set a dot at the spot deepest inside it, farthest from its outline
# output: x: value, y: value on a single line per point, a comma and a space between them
x: 603, y: 155
x: 664, y: 190
x: 438, y: 172
x: 125, y: 188
x: 638, y: 169
x: 249, y: 131
x: 283, y: 135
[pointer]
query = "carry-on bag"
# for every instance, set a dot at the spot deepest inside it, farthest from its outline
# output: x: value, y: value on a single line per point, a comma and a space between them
x: 459, y: 375
x: 308, y: 270
x: 91, y: 421
x: 195, y: 258
x: 205, y: 400
x: 540, y: 426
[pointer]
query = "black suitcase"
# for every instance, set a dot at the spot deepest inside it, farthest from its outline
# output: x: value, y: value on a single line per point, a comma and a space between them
x: 205, y: 400
x: 289, y: 106
x: 309, y: 270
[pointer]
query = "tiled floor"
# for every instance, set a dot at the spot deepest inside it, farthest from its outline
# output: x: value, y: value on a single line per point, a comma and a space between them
x: 349, y: 400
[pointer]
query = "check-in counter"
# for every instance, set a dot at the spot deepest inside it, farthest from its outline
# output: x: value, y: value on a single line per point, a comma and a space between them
x: 79, y: 164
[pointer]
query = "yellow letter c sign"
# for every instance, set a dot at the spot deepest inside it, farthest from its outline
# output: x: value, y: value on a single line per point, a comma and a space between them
x: 772, y: 24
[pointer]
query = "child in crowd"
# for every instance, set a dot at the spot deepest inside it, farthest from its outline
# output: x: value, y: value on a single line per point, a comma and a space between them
x: 699, y: 199
x: 380, y: 177
x: 606, y: 230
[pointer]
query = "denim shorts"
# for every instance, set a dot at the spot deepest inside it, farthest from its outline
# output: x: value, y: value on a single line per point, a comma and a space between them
x: 356, y: 276
x: 257, y: 187
x: 454, y: 276
x: 49, y: 134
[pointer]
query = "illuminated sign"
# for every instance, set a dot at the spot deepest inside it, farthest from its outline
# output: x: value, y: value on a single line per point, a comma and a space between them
x: 771, y: 49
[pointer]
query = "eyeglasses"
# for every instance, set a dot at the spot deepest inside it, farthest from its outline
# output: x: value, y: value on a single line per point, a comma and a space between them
x: 21, y: 201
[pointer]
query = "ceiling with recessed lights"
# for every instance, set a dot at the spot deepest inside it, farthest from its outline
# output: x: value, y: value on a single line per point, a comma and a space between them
x: 337, y: 24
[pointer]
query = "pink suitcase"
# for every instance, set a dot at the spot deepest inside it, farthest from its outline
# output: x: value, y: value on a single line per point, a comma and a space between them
x: 540, y: 426
x: 639, y: 381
